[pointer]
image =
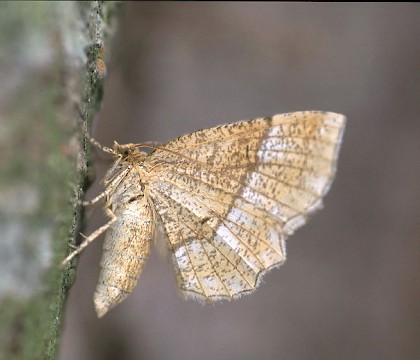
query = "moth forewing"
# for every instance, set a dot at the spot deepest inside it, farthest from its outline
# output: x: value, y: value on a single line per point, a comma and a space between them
x: 229, y: 196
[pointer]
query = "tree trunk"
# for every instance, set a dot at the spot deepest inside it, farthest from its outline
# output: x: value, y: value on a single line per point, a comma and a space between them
x: 52, y: 69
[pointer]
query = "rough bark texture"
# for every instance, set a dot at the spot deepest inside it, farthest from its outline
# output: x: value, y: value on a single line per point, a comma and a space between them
x: 52, y: 64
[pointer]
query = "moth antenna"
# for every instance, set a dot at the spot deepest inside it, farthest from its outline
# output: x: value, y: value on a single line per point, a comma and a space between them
x: 159, y: 146
x: 99, y: 145
x: 156, y: 146
x: 154, y: 143
x: 150, y: 144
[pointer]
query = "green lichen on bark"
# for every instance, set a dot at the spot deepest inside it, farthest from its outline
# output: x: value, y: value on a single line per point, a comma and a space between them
x: 44, y: 157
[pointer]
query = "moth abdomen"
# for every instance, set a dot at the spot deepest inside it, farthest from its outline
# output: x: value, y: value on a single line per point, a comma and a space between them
x: 126, y: 249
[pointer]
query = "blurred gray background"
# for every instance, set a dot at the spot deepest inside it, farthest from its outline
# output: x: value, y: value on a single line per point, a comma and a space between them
x: 350, y: 288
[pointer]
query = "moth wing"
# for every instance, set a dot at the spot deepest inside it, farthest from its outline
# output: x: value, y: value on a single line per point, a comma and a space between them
x: 229, y: 196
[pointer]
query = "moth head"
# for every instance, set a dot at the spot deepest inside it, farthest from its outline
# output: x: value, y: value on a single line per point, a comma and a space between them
x: 129, y: 152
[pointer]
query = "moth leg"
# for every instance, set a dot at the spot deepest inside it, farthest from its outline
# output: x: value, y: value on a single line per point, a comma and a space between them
x: 106, y: 192
x: 94, y: 200
x: 83, y: 121
x: 91, y: 237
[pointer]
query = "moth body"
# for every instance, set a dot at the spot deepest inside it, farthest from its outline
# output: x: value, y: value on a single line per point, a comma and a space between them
x: 128, y: 240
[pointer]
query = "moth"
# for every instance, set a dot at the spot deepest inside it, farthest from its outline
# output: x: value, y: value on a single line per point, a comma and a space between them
x: 227, y: 198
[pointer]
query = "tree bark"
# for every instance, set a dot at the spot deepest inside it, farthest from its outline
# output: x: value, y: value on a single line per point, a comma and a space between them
x: 52, y: 64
